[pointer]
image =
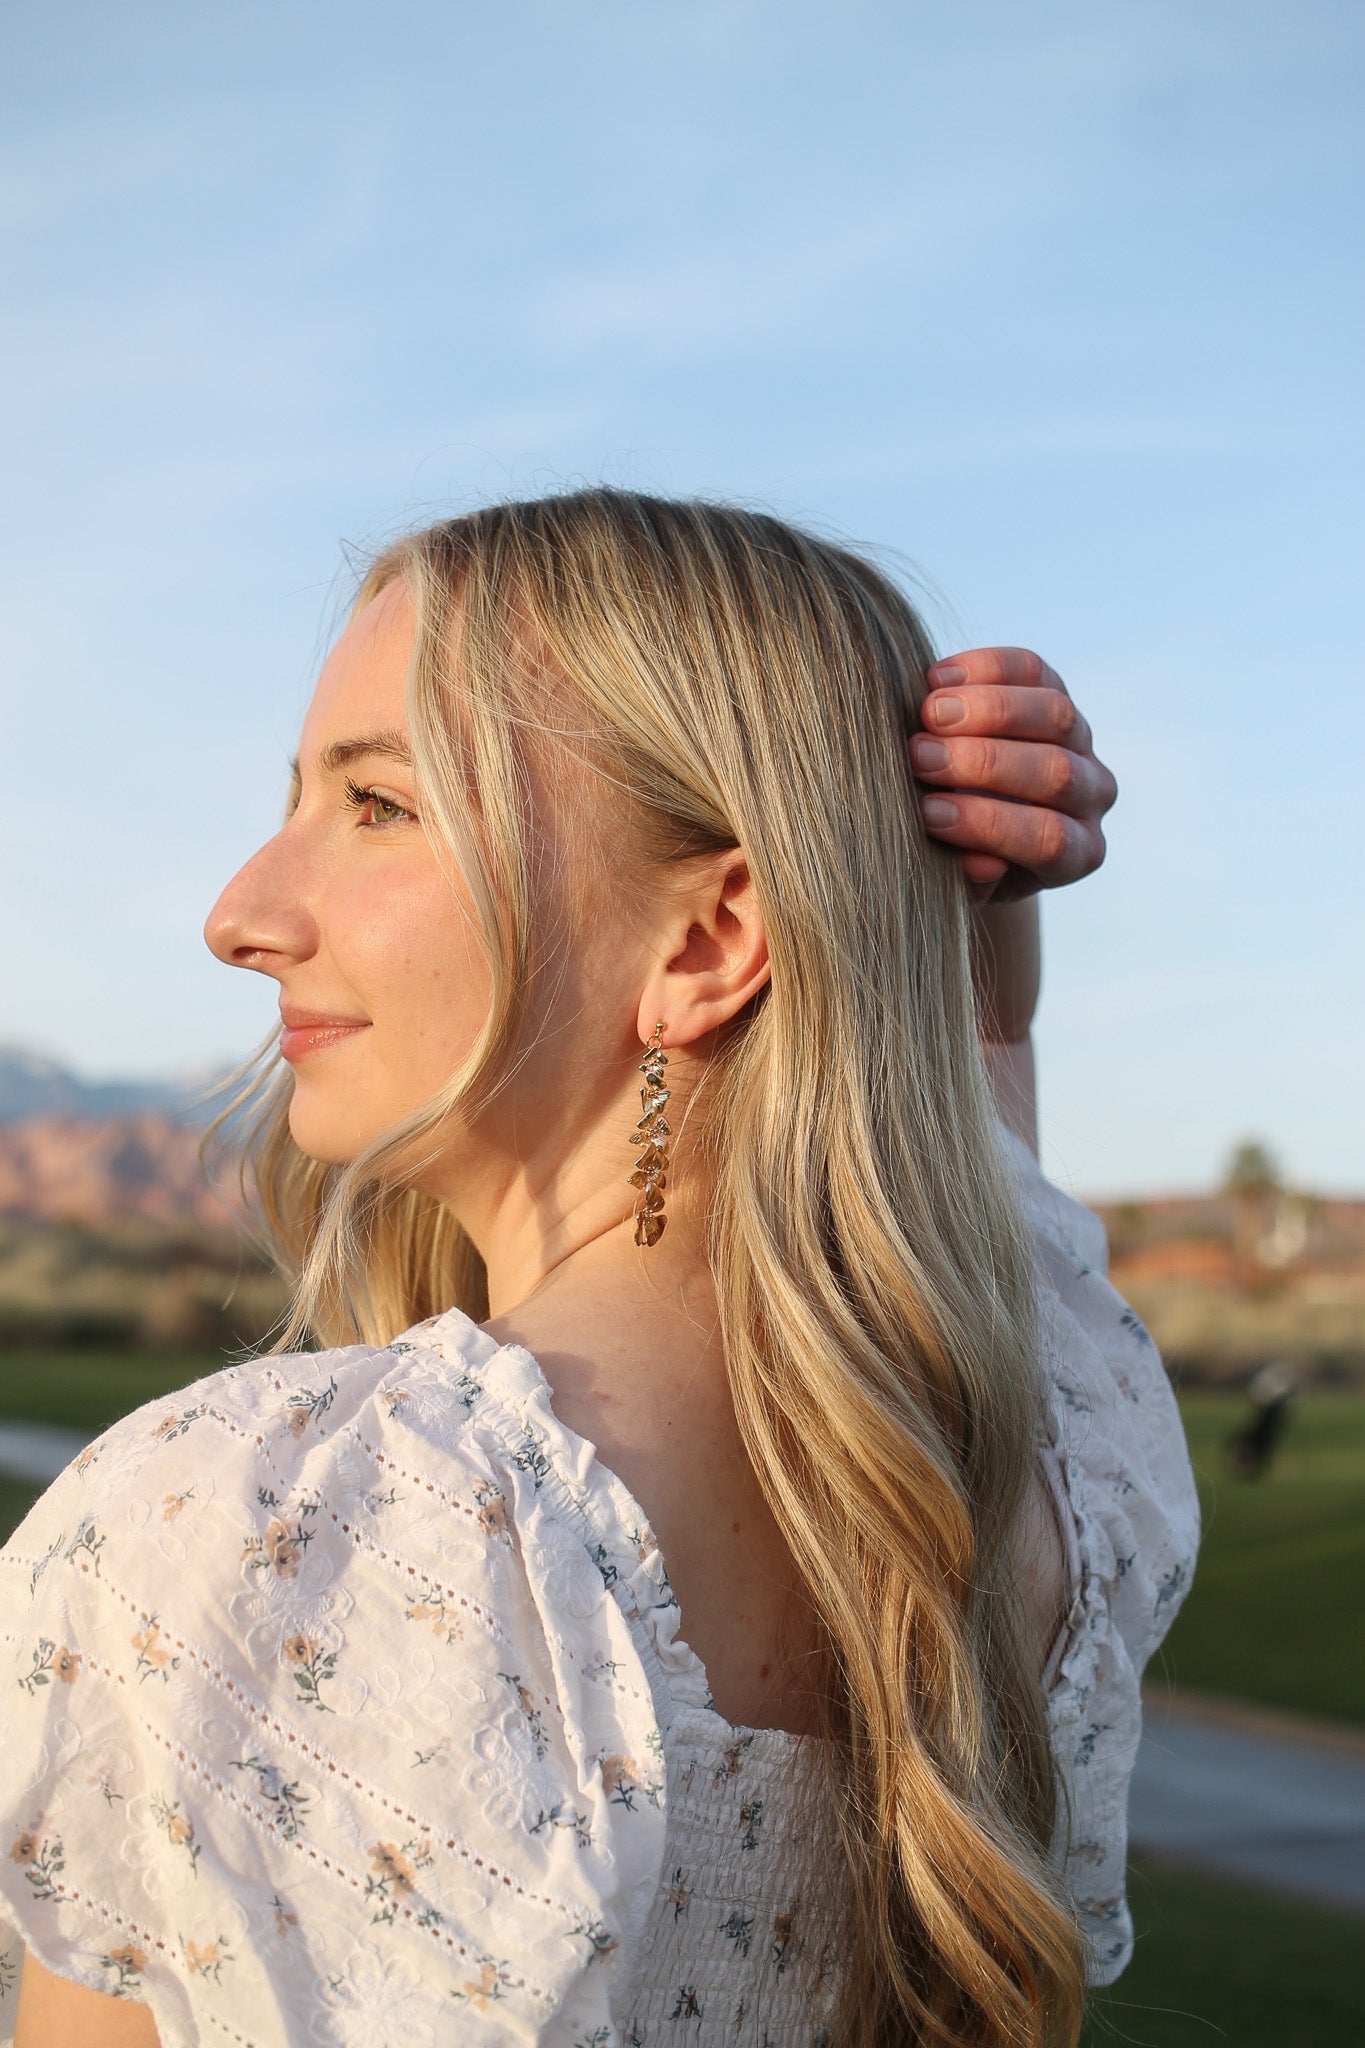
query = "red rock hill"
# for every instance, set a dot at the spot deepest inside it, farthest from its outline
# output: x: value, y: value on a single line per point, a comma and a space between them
x: 55, y: 1168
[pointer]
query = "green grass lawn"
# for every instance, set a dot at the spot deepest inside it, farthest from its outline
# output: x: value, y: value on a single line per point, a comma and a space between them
x: 1218, y: 1965
x: 1272, y: 1613
x: 90, y: 1389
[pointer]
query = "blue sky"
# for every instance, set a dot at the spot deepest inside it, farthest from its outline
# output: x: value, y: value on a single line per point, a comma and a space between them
x: 1060, y: 302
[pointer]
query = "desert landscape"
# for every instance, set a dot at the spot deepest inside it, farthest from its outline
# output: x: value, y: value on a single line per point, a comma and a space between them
x: 112, y: 1234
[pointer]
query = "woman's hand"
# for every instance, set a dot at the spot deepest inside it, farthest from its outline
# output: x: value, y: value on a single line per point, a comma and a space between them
x: 1011, y: 778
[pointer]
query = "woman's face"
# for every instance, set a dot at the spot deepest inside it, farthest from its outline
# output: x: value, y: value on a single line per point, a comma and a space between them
x: 348, y: 910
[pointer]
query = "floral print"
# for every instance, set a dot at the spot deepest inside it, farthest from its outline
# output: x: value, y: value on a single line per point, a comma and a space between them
x: 444, y: 1618
x: 492, y: 1980
x: 492, y: 1510
x: 284, y: 1798
x: 337, y: 1675
x: 305, y: 1407
x: 172, y: 1426
x: 127, y: 1962
x: 85, y: 1546
x: 1121, y: 1473
x: 599, y: 1937
x: 42, y: 1859
x: 312, y: 1666
x: 563, y: 1815
x: 625, y: 1782
x: 279, y: 1549
x: 51, y: 1660
x: 206, y: 1960
x: 393, y: 1875
x: 179, y: 1829
x: 154, y: 1657
x: 352, y: 1687
x: 529, y: 1711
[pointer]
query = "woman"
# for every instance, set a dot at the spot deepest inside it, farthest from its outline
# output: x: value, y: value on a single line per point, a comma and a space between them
x: 355, y: 1703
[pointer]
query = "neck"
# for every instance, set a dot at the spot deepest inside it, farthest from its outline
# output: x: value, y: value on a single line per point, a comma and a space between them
x: 615, y: 1325
x: 621, y: 1303
x: 630, y: 1347
x: 543, y: 1190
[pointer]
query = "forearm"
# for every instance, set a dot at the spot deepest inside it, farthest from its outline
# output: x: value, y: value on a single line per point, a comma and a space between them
x: 1010, y: 1071
x: 1006, y: 968
x: 1007, y: 974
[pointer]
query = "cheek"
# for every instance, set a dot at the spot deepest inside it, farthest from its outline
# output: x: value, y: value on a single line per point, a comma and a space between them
x: 417, y: 965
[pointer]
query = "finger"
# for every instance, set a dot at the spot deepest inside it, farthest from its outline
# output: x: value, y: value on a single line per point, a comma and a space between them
x: 1021, y: 770
x: 983, y: 867
x: 1055, y: 847
x: 1016, y: 667
x: 1013, y: 712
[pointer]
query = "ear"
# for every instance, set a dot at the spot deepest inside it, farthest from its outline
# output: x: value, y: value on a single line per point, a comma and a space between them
x: 713, y: 947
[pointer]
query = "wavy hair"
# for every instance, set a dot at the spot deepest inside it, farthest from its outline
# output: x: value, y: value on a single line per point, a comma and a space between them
x: 738, y: 682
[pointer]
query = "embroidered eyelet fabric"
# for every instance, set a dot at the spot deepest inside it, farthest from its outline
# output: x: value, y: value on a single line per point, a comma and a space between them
x: 346, y: 1703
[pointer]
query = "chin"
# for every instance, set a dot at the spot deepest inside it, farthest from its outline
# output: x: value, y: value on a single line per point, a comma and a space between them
x: 319, y: 1137
x: 335, y: 1139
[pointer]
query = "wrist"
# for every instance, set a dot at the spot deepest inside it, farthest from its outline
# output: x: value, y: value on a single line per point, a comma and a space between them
x: 1006, y: 949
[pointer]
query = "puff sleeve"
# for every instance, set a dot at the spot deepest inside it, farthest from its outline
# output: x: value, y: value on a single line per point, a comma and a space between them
x: 317, y: 1729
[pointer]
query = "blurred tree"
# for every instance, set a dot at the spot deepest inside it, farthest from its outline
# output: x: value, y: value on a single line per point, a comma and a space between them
x: 1252, y: 1181
x: 1252, y: 1170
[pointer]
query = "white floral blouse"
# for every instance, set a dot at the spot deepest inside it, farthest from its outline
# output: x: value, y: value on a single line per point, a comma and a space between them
x: 345, y: 1704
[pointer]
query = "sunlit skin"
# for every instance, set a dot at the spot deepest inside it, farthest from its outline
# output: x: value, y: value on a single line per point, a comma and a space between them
x: 351, y: 912
x: 348, y: 910
x: 357, y: 920
x: 1014, y: 785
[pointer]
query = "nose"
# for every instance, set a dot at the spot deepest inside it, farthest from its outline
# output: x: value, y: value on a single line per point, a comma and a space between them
x: 262, y: 919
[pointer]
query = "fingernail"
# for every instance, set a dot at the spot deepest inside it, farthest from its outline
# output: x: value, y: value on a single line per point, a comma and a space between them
x: 948, y: 677
x: 930, y: 754
x: 947, y: 710
x: 939, y: 810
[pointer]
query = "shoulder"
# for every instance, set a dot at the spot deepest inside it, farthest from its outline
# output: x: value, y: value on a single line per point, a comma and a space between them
x: 230, y: 1529
x: 242, y: 1418
x: 300, y: 1741
x: 246, y: 1438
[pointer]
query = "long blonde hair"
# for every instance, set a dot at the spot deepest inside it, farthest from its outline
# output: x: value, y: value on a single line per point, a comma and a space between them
x: 737, y: 682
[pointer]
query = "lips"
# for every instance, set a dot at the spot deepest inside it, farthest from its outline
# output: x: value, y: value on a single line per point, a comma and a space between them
x: 307, y: 1031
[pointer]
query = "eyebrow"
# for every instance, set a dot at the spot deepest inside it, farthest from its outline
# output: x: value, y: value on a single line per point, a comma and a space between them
x: 339, y: 753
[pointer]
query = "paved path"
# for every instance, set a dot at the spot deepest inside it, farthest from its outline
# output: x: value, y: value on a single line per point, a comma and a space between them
x: 37, y: 1452
x: 1265, y: 1798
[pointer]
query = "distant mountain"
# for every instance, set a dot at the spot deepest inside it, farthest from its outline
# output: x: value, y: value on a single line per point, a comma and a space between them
x: 101, y: 1170
x: 31, y: 1085
x: 97, y: 1151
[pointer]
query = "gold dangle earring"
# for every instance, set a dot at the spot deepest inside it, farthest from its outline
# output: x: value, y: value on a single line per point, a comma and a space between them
x: 651, y: 1134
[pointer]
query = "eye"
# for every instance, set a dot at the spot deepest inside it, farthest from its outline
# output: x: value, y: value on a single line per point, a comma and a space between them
x: 359, y: 799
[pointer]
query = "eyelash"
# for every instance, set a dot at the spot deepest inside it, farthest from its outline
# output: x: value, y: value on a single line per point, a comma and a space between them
x: 358, y: 798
